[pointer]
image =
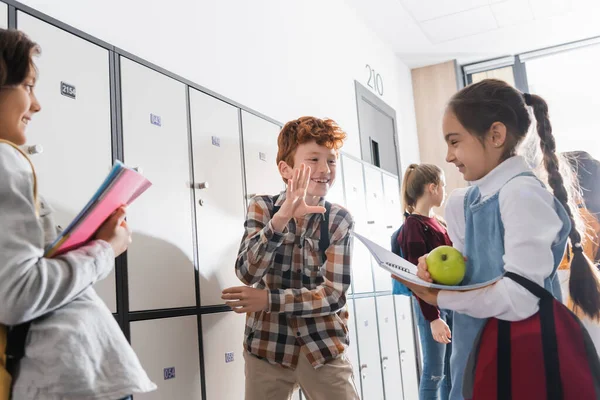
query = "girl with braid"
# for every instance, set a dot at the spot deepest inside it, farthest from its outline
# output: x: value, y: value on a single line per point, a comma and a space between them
x: 507, y: 220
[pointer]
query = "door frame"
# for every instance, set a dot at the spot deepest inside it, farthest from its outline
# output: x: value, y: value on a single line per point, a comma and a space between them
x: 362, y: 93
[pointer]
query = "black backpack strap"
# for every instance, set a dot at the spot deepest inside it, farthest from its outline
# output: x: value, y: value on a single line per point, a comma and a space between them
x: 15, y: 346
x: 324, y: 237
x: 275, y: 208
x: 549, y: 341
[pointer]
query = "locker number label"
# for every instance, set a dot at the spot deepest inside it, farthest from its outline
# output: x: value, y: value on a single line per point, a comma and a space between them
x: 229, y: 357
x: 68, y: 90
x: 169, y: 373
x: 155, y: 120
x: 262, y: 156
x: 216, y: 141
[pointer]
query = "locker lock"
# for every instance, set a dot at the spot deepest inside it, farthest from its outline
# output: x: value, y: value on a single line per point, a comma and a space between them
x: 34, y: 149
x: 362, y: 370
x: 200, y: 202
x: 201, y: 185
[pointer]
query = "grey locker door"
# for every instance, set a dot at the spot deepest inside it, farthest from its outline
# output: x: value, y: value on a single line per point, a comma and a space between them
x: 390, y: 355
x: 168, y: 351
x: 260, y: 155
x: 393, y: 205
x: 155, y: 139
x: 352, y: 352
x: 406, y: 343
x: 368, y: 348
x: 354, y: 188
x: 376, y: 223
x: 3, y: 15
x: 223, y: 342
x: 220, y: 204
x: 75, y: 133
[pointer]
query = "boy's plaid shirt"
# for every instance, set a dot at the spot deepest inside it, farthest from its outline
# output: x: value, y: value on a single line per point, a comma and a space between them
x: 307, y: 298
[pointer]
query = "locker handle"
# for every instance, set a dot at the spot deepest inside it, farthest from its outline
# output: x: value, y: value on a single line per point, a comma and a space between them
x: 363, y: 366
x: 200, y: 185
x: 370, y: 222
x: 384, y: 358
x: 390, y: 226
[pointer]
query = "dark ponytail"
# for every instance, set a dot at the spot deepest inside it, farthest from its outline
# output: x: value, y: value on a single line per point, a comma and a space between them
x: 584, y: 285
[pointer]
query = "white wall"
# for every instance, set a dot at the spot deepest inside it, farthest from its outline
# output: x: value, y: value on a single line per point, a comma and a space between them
x: 283, y: 58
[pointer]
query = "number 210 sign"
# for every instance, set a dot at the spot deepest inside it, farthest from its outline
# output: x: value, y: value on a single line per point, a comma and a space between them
x: 375, y: 80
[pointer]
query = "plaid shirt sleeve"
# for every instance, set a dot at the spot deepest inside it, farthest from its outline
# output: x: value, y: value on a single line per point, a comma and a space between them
x: 330, y: 296
x: 259, y: 243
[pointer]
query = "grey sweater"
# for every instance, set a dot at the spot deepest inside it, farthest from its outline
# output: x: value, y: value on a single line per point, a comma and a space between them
x: 75, y: 348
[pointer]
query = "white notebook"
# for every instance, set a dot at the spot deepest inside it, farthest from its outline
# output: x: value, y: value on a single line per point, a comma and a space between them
x: 398, y: 266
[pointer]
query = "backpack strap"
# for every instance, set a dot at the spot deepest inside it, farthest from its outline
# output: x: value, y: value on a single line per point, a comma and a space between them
x: 549, y: 341
x: 324, y: 241
x: 15, y: 346
x: 324, y: 237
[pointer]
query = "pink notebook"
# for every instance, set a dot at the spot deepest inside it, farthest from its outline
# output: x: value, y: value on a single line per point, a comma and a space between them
x: 122, y: 186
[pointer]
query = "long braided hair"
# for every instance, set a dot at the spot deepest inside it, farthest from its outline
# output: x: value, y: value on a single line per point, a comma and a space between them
x: 480, y: 105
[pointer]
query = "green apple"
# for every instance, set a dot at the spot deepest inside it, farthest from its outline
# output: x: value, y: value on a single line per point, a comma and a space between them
x: 446, y: 265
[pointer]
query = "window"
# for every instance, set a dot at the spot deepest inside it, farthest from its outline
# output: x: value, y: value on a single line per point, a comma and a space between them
x: 570, y: 83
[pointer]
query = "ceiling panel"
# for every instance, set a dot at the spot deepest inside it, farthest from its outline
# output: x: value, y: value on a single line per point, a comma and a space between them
x: 455, y: 26
x: 424, y: 10
x: 512, y: 12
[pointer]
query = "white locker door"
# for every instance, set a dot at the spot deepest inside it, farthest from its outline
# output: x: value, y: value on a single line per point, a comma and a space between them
x: 223, y: 343
x: 352, y: 353
x: 390, y: 356
x: 354, y: 191
x: 4, y: 16
x: 75, y: 133
x: 376, y: 223
x: 368, y: 347
x: 296, y: 395
x: 393, y: 205
x: 406, y: 342
x: 260, y: 156
x: 168, y: 351
x: 155, y: 134
x: 336, y: 192
x: 220, y: 205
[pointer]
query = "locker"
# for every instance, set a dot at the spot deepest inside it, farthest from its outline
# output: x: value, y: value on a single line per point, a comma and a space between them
x: 223, y: 340
x: 390, y: 356
x: 352, y: 352
x: 406, y: 341
x: 296, y: 395
x: 376, y: 219
x: 374, y: 195
x: 368, y: 348
x: 155, y: 139
x: 336, y: 192
x: 168, y: 351
x: 220, y: 205
x: 3, y: 16
x: 393, y: 205
x: 260, y: 156
x: 74, y: 133
x: 354, y: 192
